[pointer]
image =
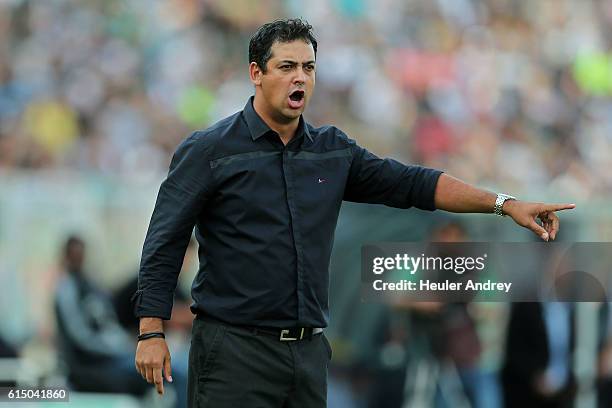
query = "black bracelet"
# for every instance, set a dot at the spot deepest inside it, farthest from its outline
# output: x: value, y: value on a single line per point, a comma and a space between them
x: 151, y: 335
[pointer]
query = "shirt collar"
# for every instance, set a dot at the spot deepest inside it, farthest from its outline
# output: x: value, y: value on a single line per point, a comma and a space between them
x: 258, y: 127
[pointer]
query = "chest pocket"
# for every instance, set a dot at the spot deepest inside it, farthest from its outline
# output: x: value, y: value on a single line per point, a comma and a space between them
x: 321, y: 177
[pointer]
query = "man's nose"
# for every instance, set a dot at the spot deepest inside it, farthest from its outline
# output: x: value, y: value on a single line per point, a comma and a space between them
x: 300, y: 76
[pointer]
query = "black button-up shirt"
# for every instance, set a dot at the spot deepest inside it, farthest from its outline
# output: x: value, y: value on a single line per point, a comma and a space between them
x: 265, y: 216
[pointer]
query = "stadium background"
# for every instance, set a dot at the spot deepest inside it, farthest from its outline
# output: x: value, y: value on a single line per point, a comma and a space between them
x: 511, y: 95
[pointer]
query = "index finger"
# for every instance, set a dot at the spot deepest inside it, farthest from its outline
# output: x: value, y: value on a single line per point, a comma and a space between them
x: 559, y: 207
x: 158, y: 379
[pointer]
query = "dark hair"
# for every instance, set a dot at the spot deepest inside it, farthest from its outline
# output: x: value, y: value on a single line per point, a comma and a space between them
x: 72, y: 241
x: 260, y: 46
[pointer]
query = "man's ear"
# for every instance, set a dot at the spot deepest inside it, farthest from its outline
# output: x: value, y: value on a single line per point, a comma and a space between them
x: 255, y: 73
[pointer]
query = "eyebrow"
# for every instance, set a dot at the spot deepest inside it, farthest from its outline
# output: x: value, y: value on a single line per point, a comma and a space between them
x: 311, y: 62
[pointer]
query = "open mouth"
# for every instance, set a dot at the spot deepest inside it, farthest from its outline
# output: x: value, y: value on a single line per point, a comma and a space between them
x: 296, y: 95
x: 296, y: 99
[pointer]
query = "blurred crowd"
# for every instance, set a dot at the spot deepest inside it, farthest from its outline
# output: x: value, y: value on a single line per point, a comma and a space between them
x: 498, y: 92
x: 515, y: 94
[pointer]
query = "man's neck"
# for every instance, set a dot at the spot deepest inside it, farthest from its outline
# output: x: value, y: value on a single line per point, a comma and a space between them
x: 285, y: 130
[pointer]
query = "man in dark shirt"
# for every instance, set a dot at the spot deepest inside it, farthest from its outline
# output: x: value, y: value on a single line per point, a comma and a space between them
x: 263, y: 189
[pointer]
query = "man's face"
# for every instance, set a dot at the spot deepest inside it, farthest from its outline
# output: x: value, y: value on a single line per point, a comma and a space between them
x: 75, y: 257
x: 288, y: 83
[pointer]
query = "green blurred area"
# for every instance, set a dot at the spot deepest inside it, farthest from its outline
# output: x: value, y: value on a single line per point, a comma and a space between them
x: 593, y: 73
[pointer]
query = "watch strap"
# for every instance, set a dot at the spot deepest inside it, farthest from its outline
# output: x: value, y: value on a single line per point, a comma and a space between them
x: 499, y: 203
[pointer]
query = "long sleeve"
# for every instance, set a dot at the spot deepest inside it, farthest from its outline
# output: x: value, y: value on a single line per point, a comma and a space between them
x: 180, y: 200
x: 88, y: 324
x: 389, y: 182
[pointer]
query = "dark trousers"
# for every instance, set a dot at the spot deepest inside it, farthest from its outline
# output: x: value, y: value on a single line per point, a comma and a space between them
x: 231, y: 366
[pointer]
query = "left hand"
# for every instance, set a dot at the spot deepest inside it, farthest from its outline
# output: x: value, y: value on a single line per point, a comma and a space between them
x: 525, y: 214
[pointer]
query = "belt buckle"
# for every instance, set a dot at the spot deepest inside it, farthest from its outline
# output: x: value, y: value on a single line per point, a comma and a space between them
x: 285, y: 332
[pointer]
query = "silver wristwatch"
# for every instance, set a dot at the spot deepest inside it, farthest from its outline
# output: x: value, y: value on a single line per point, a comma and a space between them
x: 499, y: 203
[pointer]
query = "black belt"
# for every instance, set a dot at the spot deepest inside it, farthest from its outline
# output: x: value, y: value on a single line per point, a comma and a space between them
x: 290, y: 334
x: 286, y: 334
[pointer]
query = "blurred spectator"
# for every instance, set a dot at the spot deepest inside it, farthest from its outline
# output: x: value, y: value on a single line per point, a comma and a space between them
x: 438, y: 349
x: 545, y: 338
x: 182, y: 318
x: 539, y: 349
x: 7, y: 351
x: 604, y: 369
x: 97, y: 352
x: 451, y: 345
